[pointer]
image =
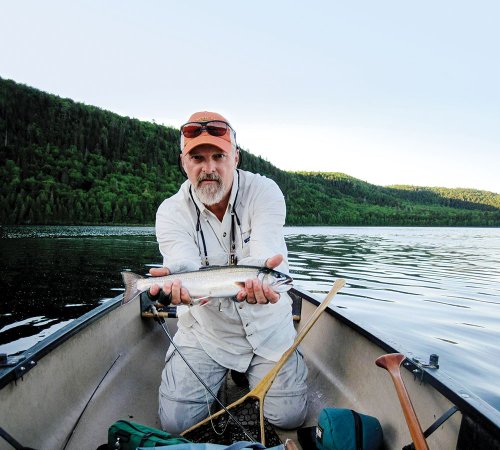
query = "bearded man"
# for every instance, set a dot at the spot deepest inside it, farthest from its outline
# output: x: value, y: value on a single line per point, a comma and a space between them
x: 222, y: 215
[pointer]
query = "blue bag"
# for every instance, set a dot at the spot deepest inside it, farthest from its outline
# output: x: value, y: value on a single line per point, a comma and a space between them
x: 345, y: 429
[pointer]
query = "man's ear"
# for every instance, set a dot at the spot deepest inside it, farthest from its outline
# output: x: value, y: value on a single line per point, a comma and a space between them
x: 181, y: 167
x: 237, y: 155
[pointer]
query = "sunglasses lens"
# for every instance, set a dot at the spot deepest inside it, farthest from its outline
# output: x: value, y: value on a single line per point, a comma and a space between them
x: 191, y: 130
x: 194, y: 129
x: 216, y: 128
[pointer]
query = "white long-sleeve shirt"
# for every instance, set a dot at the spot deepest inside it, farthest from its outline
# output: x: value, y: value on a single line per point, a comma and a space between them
x: 230, y: 332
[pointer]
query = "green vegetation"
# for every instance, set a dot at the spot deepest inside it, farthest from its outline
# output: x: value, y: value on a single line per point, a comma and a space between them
x: 63, y: 162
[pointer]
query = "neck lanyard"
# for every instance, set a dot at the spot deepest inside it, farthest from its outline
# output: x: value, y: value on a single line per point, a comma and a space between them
x: 234, y: 217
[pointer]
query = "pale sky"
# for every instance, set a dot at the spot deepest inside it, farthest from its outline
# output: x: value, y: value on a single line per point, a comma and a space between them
x: 390, y: 92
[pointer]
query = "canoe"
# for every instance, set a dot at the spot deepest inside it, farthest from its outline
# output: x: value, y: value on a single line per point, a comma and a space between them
x: 66, y: 391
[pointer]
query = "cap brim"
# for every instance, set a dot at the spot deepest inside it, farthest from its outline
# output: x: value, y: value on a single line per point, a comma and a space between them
x: 207, y: 139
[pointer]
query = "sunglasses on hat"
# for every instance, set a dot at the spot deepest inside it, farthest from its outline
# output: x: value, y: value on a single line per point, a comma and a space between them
x: 213, y: 127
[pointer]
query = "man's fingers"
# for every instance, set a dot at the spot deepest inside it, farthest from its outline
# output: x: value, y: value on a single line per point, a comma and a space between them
x: 260, y: 294
x: 271, y: 296
x: 159, y: 271
x: 175, y: 290
x: 256, y: 292
x: 274, y: 261
x: 178, y: 293
x: 185, y: 297
x: 154, y: 290
x: 242, y: 295
x: 250, y: 295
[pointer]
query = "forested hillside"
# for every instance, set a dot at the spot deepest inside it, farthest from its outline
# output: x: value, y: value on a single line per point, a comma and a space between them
x: 63, y: 162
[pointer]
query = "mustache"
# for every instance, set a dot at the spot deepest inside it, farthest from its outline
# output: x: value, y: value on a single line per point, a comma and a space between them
x: 208, y: 176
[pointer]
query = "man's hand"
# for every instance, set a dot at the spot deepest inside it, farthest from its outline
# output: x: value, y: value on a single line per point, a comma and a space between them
x: 256, y: 292
x: 179, y: 294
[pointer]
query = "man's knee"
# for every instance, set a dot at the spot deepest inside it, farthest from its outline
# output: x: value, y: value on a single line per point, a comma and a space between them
x: 286, y: 411
x: 178, y: 416
x: 286, y: 402
x: 183, y: 401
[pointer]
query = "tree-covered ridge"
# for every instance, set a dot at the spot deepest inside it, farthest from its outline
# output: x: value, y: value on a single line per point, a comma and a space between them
x: 63, y: 162
x: 457, y: 198
x: 473, y: 198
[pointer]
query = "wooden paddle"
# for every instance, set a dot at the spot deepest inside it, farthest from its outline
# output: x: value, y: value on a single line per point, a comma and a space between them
x: 260, y: 391
x: 392, y: 363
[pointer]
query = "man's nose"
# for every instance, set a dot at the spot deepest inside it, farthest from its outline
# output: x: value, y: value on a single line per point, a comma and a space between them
x: 209, y: 165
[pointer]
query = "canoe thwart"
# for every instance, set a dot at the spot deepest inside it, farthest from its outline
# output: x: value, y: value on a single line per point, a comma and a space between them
x: 437, y: 423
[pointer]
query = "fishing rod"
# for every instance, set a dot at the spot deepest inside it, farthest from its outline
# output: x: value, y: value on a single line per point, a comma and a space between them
x: 163, y: 324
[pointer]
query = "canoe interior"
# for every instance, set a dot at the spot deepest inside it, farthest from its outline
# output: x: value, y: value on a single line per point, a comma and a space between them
x: 110, y: 370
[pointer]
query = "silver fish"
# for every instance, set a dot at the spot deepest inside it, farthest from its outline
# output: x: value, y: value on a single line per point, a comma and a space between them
x: 214, y: 281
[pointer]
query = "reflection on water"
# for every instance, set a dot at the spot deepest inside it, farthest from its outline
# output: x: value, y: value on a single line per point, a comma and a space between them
x: 47, y: 282
x: 428, y: 290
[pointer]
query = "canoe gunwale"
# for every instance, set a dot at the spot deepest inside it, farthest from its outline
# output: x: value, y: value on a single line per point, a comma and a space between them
x: 468, y: 403
x: 472, y: 406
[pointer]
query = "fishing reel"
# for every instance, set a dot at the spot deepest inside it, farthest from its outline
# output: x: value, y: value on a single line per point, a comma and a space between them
x: 157, y: 305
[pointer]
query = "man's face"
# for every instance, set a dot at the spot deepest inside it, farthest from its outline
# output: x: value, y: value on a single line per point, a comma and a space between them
x: 210, y: 170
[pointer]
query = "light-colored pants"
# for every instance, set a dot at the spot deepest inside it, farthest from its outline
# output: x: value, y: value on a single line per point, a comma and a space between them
x: 183, y: 401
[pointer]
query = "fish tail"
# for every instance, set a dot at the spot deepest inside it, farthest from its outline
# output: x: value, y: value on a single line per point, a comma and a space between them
x: 130, y: 280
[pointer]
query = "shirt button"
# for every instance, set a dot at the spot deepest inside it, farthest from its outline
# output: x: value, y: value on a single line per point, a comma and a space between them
x: 224, y: 234
x: 241, y: 306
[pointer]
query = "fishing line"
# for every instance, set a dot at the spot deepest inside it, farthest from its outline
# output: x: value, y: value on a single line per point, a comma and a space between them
x: 218, y: 433
x: 162, y: 323
x: 72, y: 432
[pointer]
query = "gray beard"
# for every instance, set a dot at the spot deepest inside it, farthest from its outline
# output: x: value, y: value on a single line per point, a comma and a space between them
x: 210, y: 194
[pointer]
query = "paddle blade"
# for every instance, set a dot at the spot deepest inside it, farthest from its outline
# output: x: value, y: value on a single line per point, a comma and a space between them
x: 391, y: 361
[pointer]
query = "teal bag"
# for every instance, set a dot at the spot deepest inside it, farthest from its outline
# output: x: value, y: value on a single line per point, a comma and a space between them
x: 345, y: 429
x: 240, y: 445
x: 126, y: 435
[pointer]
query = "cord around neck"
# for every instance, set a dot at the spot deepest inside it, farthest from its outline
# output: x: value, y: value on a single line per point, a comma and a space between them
x: 234, y: 216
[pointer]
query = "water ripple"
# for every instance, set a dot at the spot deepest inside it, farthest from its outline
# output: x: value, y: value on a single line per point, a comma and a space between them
x: 432, y: 290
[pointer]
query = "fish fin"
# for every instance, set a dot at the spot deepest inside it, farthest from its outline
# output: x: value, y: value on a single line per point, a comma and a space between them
x: 240, y: 284
x: 199, y: 300
x: 130, y: 280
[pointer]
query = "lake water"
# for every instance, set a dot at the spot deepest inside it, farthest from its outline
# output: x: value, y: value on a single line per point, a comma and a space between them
x: 427, y: 290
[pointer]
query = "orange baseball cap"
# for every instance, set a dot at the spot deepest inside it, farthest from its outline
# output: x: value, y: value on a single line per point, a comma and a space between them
x: 224, y: 142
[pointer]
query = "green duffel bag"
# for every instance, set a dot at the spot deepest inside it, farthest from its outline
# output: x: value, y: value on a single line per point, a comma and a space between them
x: 345, y: 429
x: 126, y: 435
